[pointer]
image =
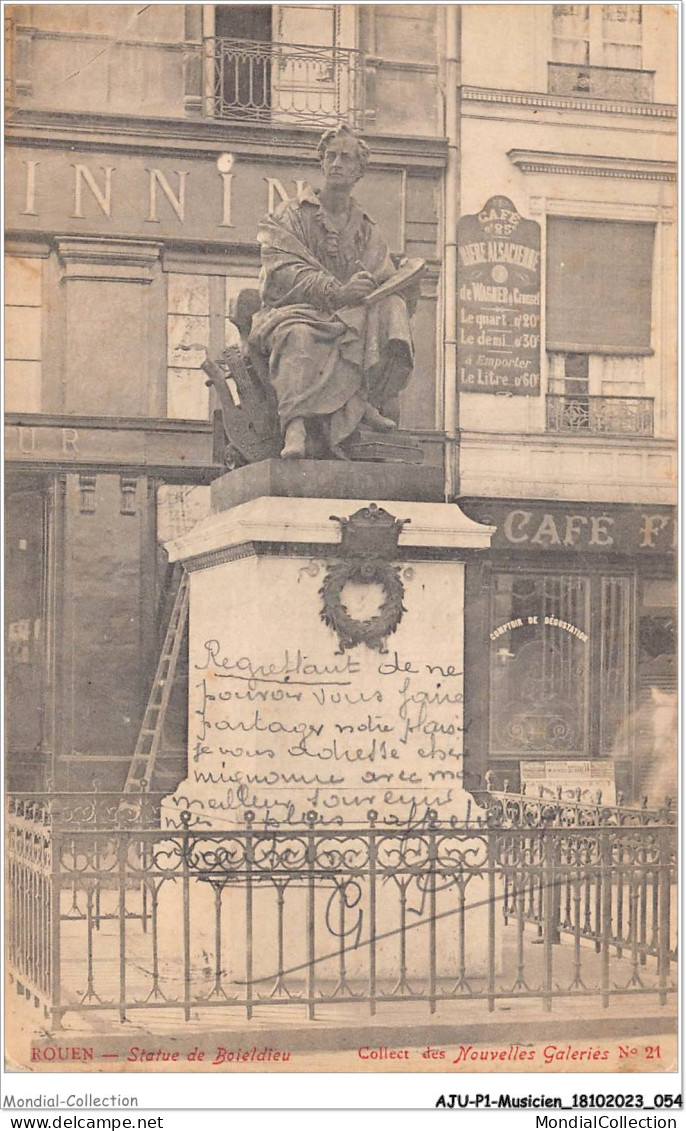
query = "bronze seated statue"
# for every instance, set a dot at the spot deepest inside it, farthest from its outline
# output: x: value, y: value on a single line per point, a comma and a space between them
x: 326, y: 345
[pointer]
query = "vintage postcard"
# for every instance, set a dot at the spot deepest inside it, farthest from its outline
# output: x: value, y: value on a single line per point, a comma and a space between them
x: 340, y: 531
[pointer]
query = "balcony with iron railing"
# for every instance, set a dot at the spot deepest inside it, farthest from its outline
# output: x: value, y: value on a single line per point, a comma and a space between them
x: 288, y: 83
x: 623, y: 83
x: 601, y: 416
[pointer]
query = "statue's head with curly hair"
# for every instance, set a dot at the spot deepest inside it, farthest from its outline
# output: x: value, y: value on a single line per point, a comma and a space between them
x: 342, y: 137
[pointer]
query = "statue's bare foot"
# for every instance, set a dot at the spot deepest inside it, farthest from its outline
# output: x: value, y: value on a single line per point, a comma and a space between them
x: 338, y: 453
x: 376, y: 421
x: 294, y: 440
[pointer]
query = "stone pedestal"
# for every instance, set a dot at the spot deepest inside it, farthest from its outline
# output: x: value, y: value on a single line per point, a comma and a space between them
x: 286, y: 717
x: 294, y: 726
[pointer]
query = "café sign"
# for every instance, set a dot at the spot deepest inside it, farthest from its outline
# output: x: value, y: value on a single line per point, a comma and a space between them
x: 545, y: 527
x: 499, y: 301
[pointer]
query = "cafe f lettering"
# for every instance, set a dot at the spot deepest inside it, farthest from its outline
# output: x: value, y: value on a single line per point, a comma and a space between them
x: 499, y: 301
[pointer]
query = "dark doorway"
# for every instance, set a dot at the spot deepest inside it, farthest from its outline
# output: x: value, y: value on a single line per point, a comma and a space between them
x: 25, y: 633
x: 244, y: 21
x: 244, y: 61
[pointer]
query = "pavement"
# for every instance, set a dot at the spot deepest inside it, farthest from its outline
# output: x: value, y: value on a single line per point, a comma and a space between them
x: 634, y: 1033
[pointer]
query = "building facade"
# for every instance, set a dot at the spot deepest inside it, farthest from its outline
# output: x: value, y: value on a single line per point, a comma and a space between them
x: 527, y: 153
x: 565, y: 111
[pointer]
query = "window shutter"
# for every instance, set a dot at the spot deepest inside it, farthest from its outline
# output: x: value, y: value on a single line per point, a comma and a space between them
x: 599, y: 282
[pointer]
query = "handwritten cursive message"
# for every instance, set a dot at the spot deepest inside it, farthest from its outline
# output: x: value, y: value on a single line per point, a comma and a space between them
x: 292, y: 733
x: 281, y: 723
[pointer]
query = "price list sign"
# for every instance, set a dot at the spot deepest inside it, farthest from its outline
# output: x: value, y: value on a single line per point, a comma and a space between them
x: 499, y: 301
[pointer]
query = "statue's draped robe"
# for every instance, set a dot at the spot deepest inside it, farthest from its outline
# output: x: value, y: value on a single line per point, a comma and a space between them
x: 326, y: 362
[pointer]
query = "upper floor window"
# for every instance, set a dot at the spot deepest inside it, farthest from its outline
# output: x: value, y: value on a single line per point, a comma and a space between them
x: 599, y: 285
x: 597, y: 51
x: 294, y: 64
x: 598, y: 325
x: 599, y: 35
x: 571, y: 33
x: 23, y: 351
x: 199, y: 325
x: 621, y: 35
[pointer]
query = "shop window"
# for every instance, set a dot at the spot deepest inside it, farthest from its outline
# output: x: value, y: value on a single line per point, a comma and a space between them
x: 613, y: 633
x: 657, y: 691
x: 23, y: 281
x: 561, y: 666
x: 199, y: 308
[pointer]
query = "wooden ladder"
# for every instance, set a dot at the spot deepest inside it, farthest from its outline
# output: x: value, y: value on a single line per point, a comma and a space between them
x: 142, y: 766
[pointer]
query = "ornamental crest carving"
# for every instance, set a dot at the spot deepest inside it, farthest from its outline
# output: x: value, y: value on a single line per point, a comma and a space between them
x: 369, y: 538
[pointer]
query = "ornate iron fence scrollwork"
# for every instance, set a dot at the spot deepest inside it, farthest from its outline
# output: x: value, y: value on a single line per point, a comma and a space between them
x: 609, y: 416
x: 312, y: 915
x: 288, y: 83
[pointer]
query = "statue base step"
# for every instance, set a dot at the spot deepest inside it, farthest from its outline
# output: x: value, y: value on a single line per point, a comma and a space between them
x: 332, y: 479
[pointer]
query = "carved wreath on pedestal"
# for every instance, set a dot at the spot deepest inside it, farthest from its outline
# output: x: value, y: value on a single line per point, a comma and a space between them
x: 367, y: 535
x: 372, y: 632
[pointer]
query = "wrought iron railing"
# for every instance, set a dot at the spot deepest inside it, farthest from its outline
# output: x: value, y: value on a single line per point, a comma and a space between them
x: 94, y: 808
x: 33, y: 909
x: 623, y: 83
x: 578, y: 908
x: 556, y: 808
x: 310, y: 916
x: 288, y: 83
x: 608, y: 416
